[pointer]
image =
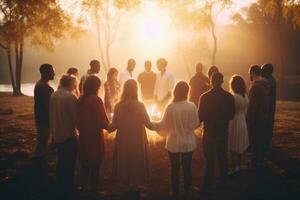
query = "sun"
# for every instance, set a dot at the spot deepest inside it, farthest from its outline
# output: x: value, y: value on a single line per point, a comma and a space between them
x: 152, y: 30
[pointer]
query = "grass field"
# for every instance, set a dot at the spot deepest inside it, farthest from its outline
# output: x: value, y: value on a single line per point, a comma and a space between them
x: 17, y: 140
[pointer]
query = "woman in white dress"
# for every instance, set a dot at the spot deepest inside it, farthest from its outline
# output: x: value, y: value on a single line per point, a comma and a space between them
x: 238, y: 140
x: 178, y: 125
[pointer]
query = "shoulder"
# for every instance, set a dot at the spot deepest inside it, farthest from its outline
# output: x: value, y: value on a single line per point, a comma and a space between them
x: 191, y: 106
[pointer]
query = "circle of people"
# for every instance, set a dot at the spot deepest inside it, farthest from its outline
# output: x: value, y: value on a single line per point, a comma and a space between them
x: 233, y: 122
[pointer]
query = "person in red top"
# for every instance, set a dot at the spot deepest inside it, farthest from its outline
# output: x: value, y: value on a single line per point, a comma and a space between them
x: 92, y: 120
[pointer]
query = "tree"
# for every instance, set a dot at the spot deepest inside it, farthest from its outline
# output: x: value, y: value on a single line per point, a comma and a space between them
x: 107, y: 15
x: 208, y: 15
x: 276, y: 15
x: 21, y: 21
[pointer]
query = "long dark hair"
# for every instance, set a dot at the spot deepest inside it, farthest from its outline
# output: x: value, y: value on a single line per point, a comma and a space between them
x: 130, y: 91
x: 90, y: 87
x: 237, y: 85
x: 181, y: 91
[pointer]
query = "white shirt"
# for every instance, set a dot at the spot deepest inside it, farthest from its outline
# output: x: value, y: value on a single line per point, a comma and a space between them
x: 164, y: 84
x: 62, y: 115
x: 124, y: 76
x: 178, y: 124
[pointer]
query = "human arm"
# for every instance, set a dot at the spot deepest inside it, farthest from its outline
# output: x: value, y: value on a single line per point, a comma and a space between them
x: 202, y: 111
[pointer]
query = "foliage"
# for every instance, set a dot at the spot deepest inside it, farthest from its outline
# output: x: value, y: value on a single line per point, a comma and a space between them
x: 41, y: 22
x: 107, y: 15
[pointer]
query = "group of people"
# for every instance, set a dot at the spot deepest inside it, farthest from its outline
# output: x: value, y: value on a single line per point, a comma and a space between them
x: 76, y: 116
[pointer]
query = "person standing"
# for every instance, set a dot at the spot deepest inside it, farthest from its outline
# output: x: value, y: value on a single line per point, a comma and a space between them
x: 164, y: 84
x: 128, y: 72
x: 131, y: 153
x: 216, y: 109
x: 178, y: 124
x: 73, y: 71
x: 266, y: 72
x: 94, y: 70
x: 147, y: 80
x: 63, y: 118
x: 257, y: 116
x: 92, y: 120
x: 211, y: 71
x: 42, y: 93
x: 238, y: 140
x: 112, y: 89
x: 199, y: 84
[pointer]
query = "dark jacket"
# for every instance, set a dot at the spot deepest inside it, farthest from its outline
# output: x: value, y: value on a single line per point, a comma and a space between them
x: 42, y: 93
x: 258, y: 109
x: 216, y: 109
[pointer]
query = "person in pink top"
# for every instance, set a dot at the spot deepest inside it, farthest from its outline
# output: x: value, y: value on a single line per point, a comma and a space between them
x: 92, y: 120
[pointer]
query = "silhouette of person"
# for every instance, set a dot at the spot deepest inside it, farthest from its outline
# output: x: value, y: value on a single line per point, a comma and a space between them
x: 128, y: 72
x: 42, y: 93
x: 199, y: 84
x: 257, y: 116
x: 94, y: 70
x: 216, y: 109
x: 211, y: 71
x: 178, y: 124
x: 63, y: 119
x: 147, y: 80
x: 238, y: 140
x: 266, y: 72
x: 72, y: 71
x: 131, y: 150
x: 92, y: 120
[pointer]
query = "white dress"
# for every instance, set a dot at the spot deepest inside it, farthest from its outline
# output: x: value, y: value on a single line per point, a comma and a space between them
x: 238, y: 140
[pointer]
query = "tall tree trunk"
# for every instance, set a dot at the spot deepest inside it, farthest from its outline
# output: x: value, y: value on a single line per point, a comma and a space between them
x: 17, y: 69
x: 11, y: 73
x: 215, y: 46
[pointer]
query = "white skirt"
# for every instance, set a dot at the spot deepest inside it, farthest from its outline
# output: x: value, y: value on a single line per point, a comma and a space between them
x: 238, y: 140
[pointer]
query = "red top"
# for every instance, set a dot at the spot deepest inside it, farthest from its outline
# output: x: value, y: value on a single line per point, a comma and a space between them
x: 92, y: 120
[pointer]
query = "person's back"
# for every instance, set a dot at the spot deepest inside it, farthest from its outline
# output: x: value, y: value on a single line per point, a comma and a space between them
x: 131, y: 153
x: 215, y: 110
x: 258, y: 102
x: 180, y: 121
x: 63, y: 115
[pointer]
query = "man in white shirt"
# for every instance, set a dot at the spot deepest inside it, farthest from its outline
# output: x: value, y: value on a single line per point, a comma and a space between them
x: 128, y: 72
x: 63, y: 128
x: 164, y: 84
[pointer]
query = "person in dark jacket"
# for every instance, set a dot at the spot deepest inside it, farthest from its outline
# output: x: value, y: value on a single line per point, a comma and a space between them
x: 42, y: 93
x: 266, y: 72
x: 216, y: 109
x: 199, y: 84
x: 257, y: 116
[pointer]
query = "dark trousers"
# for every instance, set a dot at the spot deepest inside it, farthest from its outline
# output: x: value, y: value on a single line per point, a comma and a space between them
x: 41, y: 141
x: 67, y: 154
x: 215, y: 150
x: 186, y: 161
x: 260, y: 134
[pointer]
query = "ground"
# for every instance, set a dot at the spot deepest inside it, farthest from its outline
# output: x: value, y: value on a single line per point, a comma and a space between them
x: 18, y: 179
